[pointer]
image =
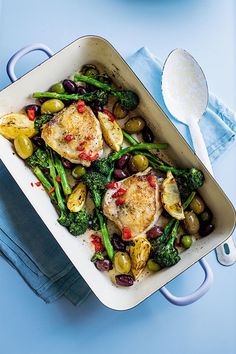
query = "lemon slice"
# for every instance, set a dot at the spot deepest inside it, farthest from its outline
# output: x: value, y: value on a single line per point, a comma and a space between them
x: 14, y: 124
x: 111, y: 131
x: 170, y: 197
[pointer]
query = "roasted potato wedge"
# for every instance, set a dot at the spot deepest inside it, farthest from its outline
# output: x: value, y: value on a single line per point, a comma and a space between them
x: 111, y: 131
x: 77, y: 198
x: 14, y: 124
x: 139, y: 254
x: 170, y: 197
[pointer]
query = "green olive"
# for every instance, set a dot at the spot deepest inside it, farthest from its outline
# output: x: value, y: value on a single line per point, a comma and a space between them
x: 58, y: 88
x: 52, y: 106
x: 89, y: 70
x: 153, y: 266
x: 23, y: 146
x: 206, y: 216
x: 191, y: 222
x: 186, y: 241
x: 78, y: 171
x: 119, y: 111
x: 197, y: 205
x: 138, y: 163
x: 134, y: 125
x: 122, y: 262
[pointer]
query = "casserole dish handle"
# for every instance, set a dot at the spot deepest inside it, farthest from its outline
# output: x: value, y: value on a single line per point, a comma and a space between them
x: 196, y: 295
x: 23, y: 51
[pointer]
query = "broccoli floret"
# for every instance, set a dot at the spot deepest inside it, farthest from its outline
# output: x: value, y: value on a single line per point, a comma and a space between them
x: 96, y: 184
x: 76, y: 223
x: 128, y: 99
x: 188, y: 180
x: 94, y: 222
x: 98, y: 256
x: 39, y: 158
x: 165, y: 254
x: 41, y: 120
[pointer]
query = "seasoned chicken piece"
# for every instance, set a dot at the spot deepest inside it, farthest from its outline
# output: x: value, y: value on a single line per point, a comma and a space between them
x: 75, y: 136
x: 139, y: 206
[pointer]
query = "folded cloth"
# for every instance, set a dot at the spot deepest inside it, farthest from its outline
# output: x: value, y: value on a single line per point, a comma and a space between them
x: 26, y: 243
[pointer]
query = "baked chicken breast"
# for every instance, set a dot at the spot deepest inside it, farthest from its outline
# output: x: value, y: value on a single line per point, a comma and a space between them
x: 139, y: 207
x: 74, y: 136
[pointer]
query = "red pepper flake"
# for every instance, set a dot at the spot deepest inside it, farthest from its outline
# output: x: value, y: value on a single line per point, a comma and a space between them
x: 51, y: 190
x: 38, y: 184
x: 31, y: 114
x: 151, y: 181
x: 109, y: 114
x: 58, y: 179
x: 126, y: 232
x: 80, y: 148
x: 89, y: 157
x: 121, y: 191
x: 69, y: 138
x: 112, y: 185
x: 97, y: 243
x: 90, y: 137
x: 120, y: 201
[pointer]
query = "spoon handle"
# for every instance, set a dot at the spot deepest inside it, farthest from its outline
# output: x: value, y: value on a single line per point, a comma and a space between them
x: 226, y: 252
x: 199, y: 144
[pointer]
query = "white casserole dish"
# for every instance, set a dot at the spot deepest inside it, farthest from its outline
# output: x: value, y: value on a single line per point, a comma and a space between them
x: 94, y: 49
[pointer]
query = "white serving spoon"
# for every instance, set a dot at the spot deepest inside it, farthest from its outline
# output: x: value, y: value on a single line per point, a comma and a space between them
x: 185, y: 93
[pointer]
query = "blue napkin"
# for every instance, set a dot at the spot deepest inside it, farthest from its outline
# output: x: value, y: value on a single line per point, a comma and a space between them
x: 26, y: 243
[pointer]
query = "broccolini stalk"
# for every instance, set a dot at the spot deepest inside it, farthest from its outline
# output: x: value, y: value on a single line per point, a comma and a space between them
x: 105, y: 234
x: 62, y: 174
x: 43, y: 179
x: 53, y: 175
x: 100, y: 96
x: 128, y: 99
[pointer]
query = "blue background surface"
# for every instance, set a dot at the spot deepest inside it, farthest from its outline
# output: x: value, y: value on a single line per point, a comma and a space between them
x: 206, y: 29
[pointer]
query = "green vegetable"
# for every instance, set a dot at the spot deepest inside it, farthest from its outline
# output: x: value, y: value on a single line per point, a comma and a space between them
x: 98, y: 95
x: 163, y: 251
x: 38, y: 159
x: 96, y: 184
x: 188, y: 179
x: 186, y: 241
x: 94, y: 222
x: 53, y: 174
x: 105, y: 164
x: 43, y: 179
x: 98, y: 256
x: 41, y: 120
x: 62, y: 174
x: 128, y: 99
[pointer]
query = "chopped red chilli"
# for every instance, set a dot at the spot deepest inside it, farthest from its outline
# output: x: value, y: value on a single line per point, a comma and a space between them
x: 151, y: 180
x: 90, y: 137
x: 89, y: 157
x: 120, y: 201
x: 97, y: 243
x: 58, y: 179
x: 31, y: 114
x: 112, y: 185
x: 109, y: 114
x: 69, y: 138
x: 126, y: 232
x: 121, y: 191
x: 38, y: 184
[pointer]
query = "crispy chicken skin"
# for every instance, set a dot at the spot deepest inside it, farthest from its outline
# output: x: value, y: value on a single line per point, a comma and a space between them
x: 82, y: 127
x: 142, y: 206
